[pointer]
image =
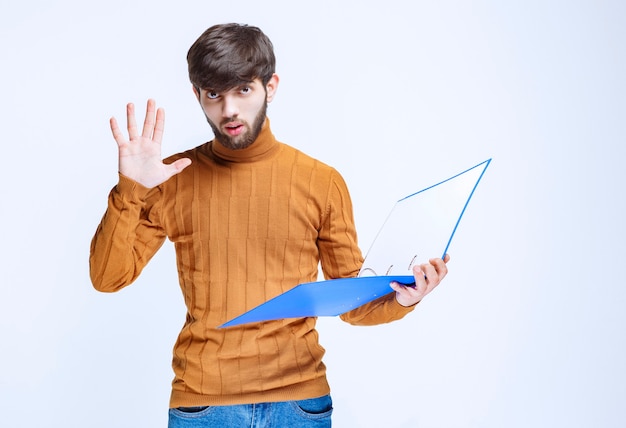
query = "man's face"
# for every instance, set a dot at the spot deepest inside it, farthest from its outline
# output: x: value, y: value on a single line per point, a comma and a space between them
x: 237, y: 115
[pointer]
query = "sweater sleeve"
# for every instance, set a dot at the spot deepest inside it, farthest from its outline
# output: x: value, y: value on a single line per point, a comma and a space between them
x: 127, y: 237
x: 385, y: 309
x: 341, y: 257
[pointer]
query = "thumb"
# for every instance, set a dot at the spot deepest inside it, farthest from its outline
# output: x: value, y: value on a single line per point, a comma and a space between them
x: 181, y: 164
x: 178, y: 165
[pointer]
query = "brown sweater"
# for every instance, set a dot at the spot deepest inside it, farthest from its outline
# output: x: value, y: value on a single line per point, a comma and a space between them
x: 247, y: 225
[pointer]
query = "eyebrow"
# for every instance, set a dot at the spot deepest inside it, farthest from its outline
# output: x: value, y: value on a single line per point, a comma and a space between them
x: 237, y: 86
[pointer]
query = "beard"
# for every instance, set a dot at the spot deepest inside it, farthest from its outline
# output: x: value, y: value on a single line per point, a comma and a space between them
x: 245, y: 139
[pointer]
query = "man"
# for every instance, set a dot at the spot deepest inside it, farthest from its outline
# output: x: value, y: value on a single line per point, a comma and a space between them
x: 250, y: 218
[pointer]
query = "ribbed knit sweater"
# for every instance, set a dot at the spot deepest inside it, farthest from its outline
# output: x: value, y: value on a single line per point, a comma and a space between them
x: 247, y: 225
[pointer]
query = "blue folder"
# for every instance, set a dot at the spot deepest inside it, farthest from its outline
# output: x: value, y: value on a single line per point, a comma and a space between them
x: 419, y: 227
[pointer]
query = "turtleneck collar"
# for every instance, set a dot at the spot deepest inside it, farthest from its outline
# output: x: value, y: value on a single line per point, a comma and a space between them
x: 264, y: 146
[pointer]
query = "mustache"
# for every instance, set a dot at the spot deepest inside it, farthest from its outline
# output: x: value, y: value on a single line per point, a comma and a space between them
x: 232, y: 119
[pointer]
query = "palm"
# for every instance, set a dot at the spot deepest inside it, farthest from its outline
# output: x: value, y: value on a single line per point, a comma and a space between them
x: 140, y: 155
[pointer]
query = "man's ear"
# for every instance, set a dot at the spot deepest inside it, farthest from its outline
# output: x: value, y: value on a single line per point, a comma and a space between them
x: 196, y: 92
x: 271, y: 87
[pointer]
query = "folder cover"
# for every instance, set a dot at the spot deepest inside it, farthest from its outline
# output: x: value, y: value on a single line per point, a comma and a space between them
x: 419, y: 227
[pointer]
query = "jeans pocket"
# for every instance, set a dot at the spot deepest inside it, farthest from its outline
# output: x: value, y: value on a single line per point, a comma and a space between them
x: 194, y: 409
x: 315, y: 408
x: 193, y: 412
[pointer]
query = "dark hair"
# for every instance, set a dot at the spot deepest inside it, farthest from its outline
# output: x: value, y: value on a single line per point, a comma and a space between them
x: 229, y: 55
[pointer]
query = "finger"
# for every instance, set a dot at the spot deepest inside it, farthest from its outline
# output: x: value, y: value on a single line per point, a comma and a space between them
x: 176, y: 167
x: 432, y: 278
x: 430, y: 273
x: 421, y: 286
x: 406, y: 295
x: 440, y: 266
x: 179, y: 165
x: 420, y: 276
x: 148, y: 123
x: 159, y: 126
x: 130, y: 121
x: 117, y: 134
x: 398, y: 288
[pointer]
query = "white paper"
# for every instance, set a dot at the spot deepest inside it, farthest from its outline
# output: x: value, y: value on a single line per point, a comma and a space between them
x: 421, y: 226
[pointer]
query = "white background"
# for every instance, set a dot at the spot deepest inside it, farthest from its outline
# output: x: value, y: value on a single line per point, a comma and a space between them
x: 528, y: 328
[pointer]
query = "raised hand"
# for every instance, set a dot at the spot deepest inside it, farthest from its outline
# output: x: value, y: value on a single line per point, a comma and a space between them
x: 140, y: 155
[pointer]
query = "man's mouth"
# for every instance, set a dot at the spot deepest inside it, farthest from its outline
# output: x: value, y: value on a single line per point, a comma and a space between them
x: 233, y: 128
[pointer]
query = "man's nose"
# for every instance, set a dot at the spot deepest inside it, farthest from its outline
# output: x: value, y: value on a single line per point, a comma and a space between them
x: 229, y: 107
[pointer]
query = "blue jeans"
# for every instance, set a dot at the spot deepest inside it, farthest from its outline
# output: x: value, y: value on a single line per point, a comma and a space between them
x: 311, y: 413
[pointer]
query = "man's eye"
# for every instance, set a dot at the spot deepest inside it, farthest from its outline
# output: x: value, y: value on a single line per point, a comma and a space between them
x: 246, y: 90
x: 212, y: 95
